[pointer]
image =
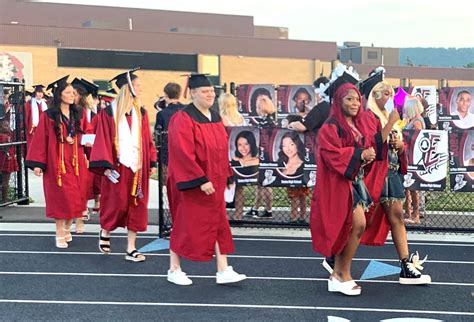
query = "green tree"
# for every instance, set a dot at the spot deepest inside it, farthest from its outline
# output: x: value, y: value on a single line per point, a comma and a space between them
x: 470, y: 65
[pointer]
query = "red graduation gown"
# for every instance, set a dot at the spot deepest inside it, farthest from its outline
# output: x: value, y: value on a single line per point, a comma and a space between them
x: 198, y: 153
x: 62, y: 202
x: 378, y: 225
x: 118, y: 207
x: 331, y: 206
x: 30, y: 130
x: 93, y: 180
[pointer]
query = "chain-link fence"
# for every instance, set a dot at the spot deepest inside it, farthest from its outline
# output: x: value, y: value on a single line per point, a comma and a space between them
x: 12, y: 145
x: 290, y: 207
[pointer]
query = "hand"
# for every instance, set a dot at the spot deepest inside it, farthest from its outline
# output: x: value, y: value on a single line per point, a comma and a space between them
x: 107, y: 172
x: 297, y: 126
x: 38, y: 172
x: 153, y: 170
x: 208, y: 188
x: 393, y: 117
x: 368, y: 155
x: 396, y: 143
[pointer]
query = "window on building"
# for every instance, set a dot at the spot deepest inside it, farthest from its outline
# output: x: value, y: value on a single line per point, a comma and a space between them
x: 372, y: 54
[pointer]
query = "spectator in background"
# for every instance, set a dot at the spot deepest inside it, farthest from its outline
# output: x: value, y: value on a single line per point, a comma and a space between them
x: 229, y: 111
x: 169, y: 106
x: 412, y: 111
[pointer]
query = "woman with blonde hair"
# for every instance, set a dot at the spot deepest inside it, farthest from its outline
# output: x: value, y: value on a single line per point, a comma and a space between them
x: 412, y: 110
x: 385, y: 185
x: 124, y: 153
x: 229, y: 111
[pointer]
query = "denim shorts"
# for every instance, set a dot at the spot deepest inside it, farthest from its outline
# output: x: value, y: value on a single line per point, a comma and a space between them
x: 393, y: 188
x: 360, y: 195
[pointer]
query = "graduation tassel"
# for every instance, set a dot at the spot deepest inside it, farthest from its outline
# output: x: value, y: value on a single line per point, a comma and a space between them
x: 75, y: 159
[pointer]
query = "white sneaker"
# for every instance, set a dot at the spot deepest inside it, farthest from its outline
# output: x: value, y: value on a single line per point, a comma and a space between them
x: 179, y: 277
x: 229, y: 276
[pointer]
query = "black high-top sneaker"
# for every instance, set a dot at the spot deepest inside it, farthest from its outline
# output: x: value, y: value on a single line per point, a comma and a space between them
x: 265, y: 215
x: 410, y: 271
x: 251, y: 213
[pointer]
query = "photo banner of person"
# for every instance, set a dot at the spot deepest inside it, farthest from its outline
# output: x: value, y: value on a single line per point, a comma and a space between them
x: 292, y: 99
x: 282, y: 155
x: 427, y: 152
x: 247, y: 97
x: 456, y: 108
x: 243, y: 153
x: 430, y: 95
x: 461, y: 164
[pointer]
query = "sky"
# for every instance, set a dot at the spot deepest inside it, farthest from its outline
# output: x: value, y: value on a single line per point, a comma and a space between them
x: 385, y: 23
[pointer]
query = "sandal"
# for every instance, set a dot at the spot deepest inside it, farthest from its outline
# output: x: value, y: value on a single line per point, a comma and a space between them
x: 104, y: 244
x: 135, y: 256
x: 347, y: 288
x: 68, y: 236
x: 61, y: 242
x: 94, y: 211
x: 86, y: 215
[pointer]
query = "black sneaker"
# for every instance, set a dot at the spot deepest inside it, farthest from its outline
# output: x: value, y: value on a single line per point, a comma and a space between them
x: 328, y: 264
x: 410, y: 271
x: 267, y: 214
x: 251, y: 213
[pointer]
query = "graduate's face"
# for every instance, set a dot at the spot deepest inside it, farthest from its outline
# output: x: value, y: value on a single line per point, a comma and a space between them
x: 39, y: 95
x: 77, y: 97
x: 351, y: 103
x: 67, y: 95
x: 203, y: 96
x: 289, y: 147
x: 463, y: 102
x: 243, y: 147
x: 302, y: 99
x: 137, y: 86
x: 382, y: 96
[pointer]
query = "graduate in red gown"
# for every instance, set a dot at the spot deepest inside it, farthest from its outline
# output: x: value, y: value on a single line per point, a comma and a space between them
x: 198, y: 172
x: 124, y: 152
x: 340, y: 197
x: 384, y: 181
x: 56, y: 153
x: 33, y: 110
x: 83, y: 91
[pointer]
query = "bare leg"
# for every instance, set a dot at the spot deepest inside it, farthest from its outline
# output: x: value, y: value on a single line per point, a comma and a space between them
x: 221, y: 259
x: 415, y: 197
x: 342, y: 265
x: 303, y: 207
x: 60, y: 226
x: 175, y: 261
x: 268, y: 198
x: 131, y: 240
x: 239, y: 202
x: 394, y: 212
x: 294, y: 209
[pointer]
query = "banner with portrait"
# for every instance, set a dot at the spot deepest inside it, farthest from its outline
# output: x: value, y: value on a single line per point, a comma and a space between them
x: 461, y: 164
x: 456, y: 108
x: 243, y: 153
x: 248, y: 96
x: 427, y: 152
x: 292, y: 99
x: 282, y: 155
x: 430, y: 95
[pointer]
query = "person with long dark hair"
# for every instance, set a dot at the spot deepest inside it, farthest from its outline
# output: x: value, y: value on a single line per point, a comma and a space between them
x: 56, y: 153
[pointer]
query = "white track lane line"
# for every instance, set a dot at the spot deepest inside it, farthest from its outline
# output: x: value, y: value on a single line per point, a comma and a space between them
x: 466, y: 243
x: 275, y: 278
x: 230, y: 256
x: 253, y: 306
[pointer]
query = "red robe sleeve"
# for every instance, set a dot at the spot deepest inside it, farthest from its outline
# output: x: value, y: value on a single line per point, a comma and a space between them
x: 37, y: 156
x: 102, y: 153
x: 345, y: 160
x: 188, y: 173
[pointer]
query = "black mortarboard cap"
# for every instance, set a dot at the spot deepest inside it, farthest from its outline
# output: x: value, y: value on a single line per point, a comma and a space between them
x: 88, y: 87
x: 369, y: 83
x: 112, y: 91
x: 38, y: 88
x: 198, y: 80
x: 125, y: 78
x: 344, y: 78
x: 29, y: 93
x: 56, y: 83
